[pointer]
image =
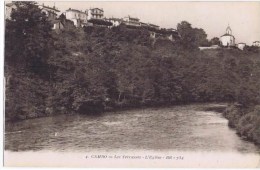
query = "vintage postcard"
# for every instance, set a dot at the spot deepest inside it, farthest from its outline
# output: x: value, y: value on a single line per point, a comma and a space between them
x: 131, y: 84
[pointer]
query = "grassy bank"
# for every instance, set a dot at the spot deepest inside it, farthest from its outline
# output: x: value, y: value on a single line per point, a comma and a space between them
x: 246, y: 121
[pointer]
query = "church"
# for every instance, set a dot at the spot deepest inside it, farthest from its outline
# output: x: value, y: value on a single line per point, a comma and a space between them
x: 227, y: 39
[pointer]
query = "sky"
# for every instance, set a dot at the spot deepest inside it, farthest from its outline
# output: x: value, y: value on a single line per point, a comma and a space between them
x: 213, y: 17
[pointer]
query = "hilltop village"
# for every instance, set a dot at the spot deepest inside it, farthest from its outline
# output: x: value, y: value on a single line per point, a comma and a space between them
x: 95, y: 17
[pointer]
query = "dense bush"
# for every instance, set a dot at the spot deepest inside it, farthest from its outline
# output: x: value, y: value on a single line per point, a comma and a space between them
x: 100, y: 22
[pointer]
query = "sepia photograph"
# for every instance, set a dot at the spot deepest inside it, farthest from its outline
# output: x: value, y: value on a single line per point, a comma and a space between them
x: 131, y: 84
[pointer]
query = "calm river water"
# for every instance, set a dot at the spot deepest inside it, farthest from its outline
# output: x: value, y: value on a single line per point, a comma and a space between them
x: 178, y: 128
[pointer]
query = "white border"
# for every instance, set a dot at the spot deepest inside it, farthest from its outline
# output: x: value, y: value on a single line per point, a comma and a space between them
x: 2, y: 70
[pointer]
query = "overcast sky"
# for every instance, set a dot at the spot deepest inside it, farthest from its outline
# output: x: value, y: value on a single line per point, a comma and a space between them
x: 213, y: 17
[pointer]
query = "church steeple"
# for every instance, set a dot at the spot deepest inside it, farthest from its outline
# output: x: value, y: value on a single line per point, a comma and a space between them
x: 228, y: 30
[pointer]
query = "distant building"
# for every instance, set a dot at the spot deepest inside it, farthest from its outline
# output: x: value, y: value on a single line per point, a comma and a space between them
x: 9, y: 7
x: 95, y: 13
x: 131, y: 21
x: 79, y: 18
x: 148, y: 25
x: 57, y: 25
x: 51, y: 12
x: 170, y: 37
x: 256, y: 43
x: 154, y: 26
x: 171, y: 29
x: 227, y: 39
x: 142, y: 24
x: 115, y: 21
x: 152, y: 34
x: 241, y: 46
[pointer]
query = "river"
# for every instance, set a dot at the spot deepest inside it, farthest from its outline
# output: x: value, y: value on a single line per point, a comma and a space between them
x: 185, y: 129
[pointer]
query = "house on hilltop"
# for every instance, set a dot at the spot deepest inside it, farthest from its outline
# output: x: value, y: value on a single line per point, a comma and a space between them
x: 9, y: 7
x: 154, y: 26
x: 68, y: 24
x: 115, y: 21
x: 241, y: 46
x: 131, y: 21
x: 95, y: 13
x: 227, y: 40
x: 50, y: 12
x: 256, y: 43
x: 143, y: 24
x: 163, y: 33
x: 79, y: 18
x: 57, y: 25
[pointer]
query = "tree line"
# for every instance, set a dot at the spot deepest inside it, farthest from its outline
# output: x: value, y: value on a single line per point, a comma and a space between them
x: 94, y: 69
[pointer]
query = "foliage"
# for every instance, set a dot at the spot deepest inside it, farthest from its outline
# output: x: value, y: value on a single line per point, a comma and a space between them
x: 100, y: 22
x: 191, y: 38
x: 215, y: 41
x: 28, y: 42
x: 92, y: 69
x: 245, y: 121
x: 28, y: 34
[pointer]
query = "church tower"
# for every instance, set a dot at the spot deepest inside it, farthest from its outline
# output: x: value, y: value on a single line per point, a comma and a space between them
x: 227, y: 39
x: 228, y: 30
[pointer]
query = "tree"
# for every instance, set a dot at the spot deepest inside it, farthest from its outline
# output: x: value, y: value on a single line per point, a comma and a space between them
x: 215, y: 41
x: 28, y: 40
x: 28, y: 36
x: 200, y: 37
x: 191, y: 38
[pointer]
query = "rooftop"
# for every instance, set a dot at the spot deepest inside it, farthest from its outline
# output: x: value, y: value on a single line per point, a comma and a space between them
x: 75, y: 10
x: 97, y: 9
x: 153, y: 25
x: 227, y: 35
x: 9, y: 4
x: 132, y: 18
x: 51, y: 8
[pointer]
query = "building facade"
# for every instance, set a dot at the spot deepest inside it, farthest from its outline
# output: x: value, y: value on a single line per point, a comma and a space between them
x: 154, y: 26
x: 241, y: 46
x: 142, y: 24
x: 9, y: 7
x: 227, y: 40
x: 256, y: 43
x: 79, y: 18
x: 50, y: 12
x: 131, y: 21
x: 115, y: 21
x: 95, y: 13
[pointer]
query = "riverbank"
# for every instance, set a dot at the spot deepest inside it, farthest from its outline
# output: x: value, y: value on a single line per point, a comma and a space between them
x: 246, y: 121
x: 213, y: 106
